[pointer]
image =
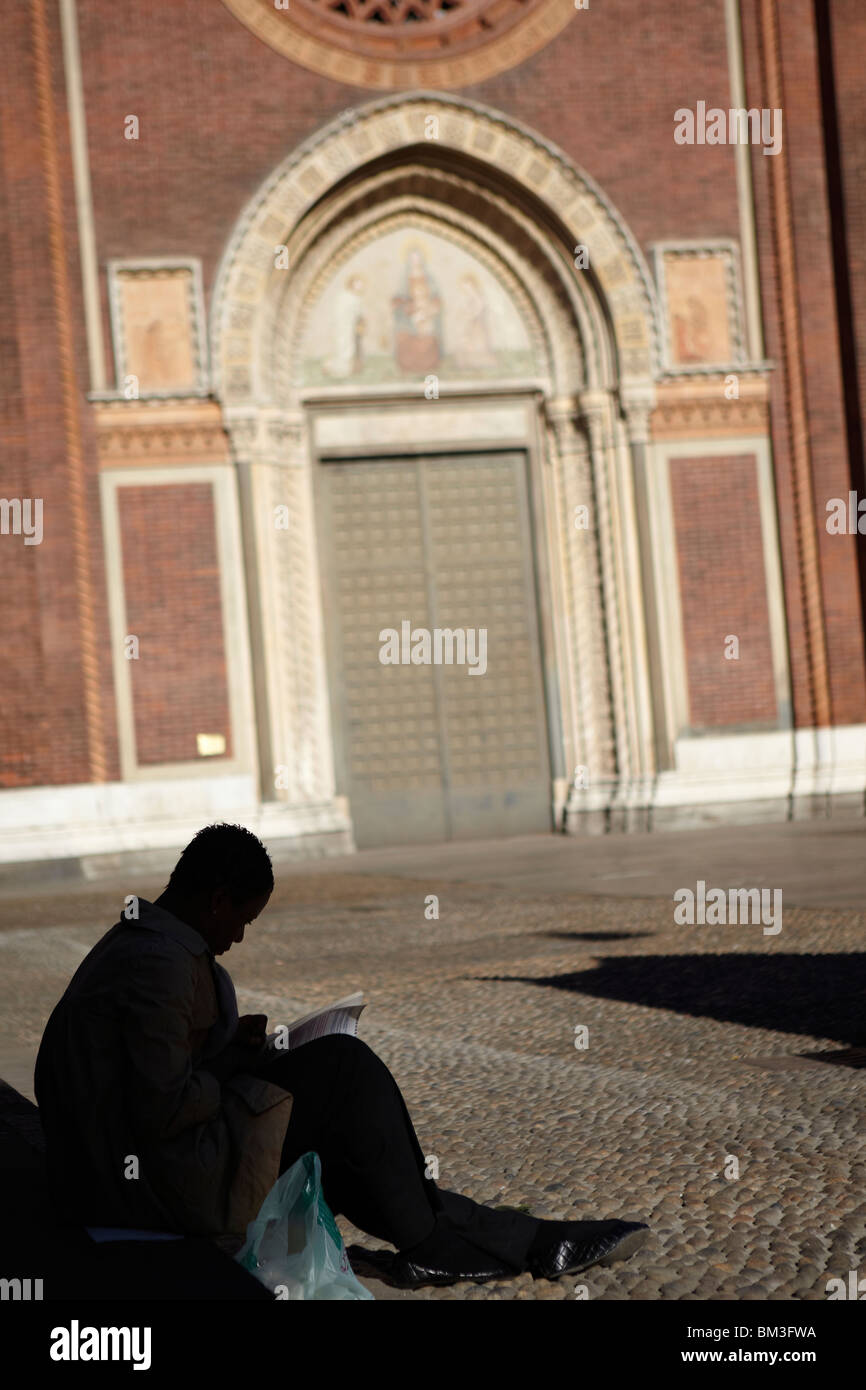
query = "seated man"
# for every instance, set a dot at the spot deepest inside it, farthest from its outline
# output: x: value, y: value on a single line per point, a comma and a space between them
x: 163, y: 1110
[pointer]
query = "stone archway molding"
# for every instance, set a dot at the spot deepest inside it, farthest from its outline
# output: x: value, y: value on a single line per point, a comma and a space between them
x: 567, y: 339
x: 361, y: 135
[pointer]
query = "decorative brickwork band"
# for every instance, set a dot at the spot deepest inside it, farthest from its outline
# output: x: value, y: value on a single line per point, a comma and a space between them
x: 797, y: 418
x: 80, y: 529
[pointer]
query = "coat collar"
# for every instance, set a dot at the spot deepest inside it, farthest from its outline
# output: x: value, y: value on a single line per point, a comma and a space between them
x: 157, y: 919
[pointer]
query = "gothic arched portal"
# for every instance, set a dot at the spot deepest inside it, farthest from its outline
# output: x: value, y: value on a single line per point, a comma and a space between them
x: 433, y: 337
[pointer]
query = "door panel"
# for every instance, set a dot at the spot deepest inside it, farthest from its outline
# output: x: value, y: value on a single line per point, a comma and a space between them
x: 430, y: 752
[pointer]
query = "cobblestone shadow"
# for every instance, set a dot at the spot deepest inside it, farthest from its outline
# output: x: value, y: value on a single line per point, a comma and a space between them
x: 820, y: 996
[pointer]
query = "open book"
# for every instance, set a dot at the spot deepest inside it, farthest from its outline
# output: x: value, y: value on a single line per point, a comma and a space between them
x: 340, y: 1017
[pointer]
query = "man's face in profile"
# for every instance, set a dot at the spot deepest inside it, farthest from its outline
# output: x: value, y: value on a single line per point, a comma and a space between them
x: 229, y: 919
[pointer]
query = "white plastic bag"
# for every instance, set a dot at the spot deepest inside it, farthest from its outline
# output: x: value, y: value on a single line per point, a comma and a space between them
x: 294, y: 1247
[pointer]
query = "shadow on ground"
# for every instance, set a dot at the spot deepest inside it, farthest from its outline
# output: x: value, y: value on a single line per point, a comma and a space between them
x: 817, y: 996
x: 594, y: 935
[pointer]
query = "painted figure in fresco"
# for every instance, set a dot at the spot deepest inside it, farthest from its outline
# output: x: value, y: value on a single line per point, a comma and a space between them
x: 472, y: 347
x: 417, y: 318
x: 692, y: 337
x: 347, y: 357
x: 160, y: 351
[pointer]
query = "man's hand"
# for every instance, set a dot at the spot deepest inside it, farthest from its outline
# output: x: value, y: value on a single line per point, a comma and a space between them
x: 252, y: 1030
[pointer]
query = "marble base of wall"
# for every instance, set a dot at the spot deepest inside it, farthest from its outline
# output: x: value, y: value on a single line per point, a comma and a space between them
x: 734, y: 778
x: 745, y: 778
x: 51, y: 823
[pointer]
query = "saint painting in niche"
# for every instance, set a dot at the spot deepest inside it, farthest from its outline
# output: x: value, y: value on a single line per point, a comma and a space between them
x: 692, y: 336
x: 157, y: 329
x: 417, y: 309
x: 161, y: 351
x: 347, y: 356
x: 698, y: 289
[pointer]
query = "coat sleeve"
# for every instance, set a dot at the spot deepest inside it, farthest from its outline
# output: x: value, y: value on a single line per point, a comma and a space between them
x: 168, y: 1095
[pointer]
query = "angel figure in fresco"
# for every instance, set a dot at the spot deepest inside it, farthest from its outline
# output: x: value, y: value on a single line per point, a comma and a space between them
x: 347, y: 356
x: 417, y: 317
x: 472, y: 347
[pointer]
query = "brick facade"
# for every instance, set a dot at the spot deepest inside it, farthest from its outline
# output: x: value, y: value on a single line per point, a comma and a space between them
x: 818, y: 349
x: 218, y: 110
x: 210, y: 135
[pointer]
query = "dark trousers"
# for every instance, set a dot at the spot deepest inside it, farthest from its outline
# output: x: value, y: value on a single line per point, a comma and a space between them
x: 349, y: 1110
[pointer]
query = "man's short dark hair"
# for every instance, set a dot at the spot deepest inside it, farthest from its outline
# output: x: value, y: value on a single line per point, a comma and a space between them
x: 227, y: 856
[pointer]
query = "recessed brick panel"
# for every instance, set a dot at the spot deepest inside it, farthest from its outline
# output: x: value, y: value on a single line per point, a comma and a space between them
x: 174, y: 608
x: 723, y: 591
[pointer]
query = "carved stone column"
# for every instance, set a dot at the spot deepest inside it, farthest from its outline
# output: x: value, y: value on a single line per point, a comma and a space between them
x: 272, y: 453
x: 596, y: 417
x: 652, y: 751
x: 592, y: 734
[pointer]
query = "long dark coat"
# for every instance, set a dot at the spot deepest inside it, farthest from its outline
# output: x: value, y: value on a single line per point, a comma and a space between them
x: 140, y: 1133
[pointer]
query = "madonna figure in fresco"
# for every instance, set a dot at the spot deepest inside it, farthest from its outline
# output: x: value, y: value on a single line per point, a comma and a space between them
x: 417, y: 318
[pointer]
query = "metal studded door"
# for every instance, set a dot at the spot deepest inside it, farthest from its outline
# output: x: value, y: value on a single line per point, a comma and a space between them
x: 440, y: 727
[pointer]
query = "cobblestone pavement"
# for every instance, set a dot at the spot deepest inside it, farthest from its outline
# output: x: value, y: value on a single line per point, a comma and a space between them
x: 706, y: 1045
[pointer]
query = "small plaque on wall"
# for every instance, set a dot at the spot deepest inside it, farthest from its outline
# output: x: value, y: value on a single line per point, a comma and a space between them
x: 210, y: 745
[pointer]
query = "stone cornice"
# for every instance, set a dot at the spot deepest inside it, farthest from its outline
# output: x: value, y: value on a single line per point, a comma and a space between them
x: 139, y: 433
x: 697, y: 408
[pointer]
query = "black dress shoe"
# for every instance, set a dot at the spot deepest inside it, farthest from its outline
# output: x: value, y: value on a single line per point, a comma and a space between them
x: 588, y: 1243
x: 410, y: 1274
x: 401, y: 1272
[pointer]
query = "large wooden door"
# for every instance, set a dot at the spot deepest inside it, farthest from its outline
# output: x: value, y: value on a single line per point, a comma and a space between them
x: 428, y: 751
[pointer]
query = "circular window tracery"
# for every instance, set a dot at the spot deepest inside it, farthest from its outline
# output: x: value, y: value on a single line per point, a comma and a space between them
x: 390, y: 44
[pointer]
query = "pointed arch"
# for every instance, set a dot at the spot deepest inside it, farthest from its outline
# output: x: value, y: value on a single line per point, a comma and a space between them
x: 510, y: 151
